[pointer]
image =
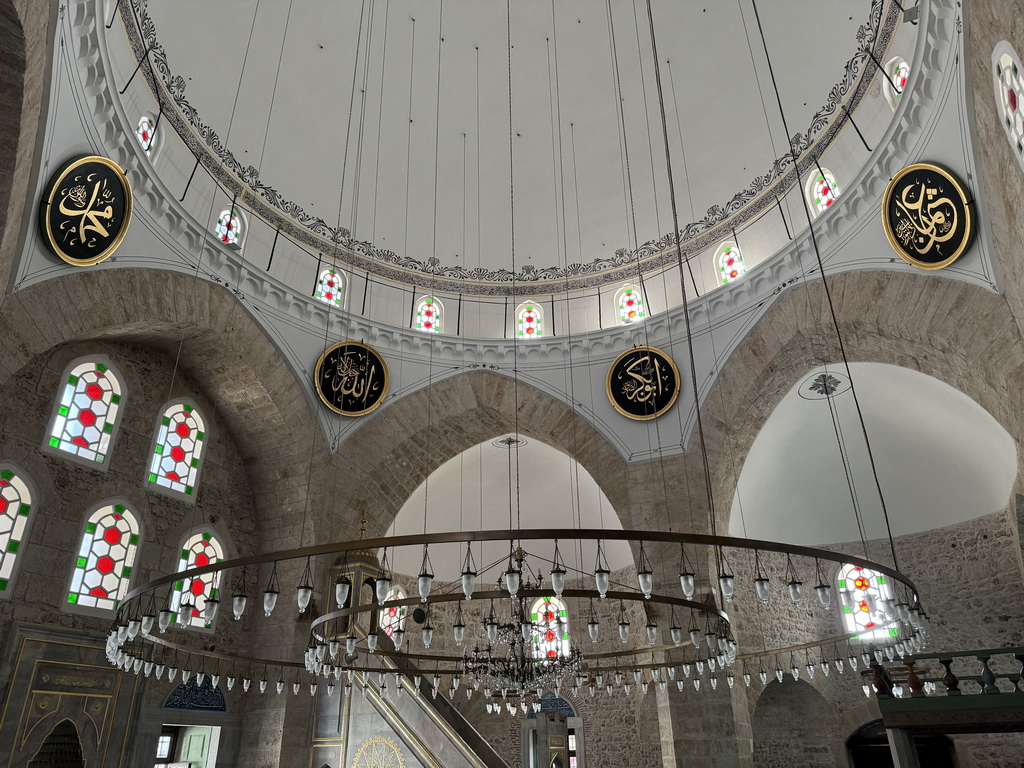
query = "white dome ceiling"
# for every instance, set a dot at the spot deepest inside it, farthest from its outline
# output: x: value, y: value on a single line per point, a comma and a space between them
x: 941, y: 459
x: 296, y: 129
x: 479, y: 479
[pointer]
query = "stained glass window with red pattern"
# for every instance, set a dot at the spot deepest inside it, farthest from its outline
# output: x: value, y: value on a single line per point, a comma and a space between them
x: 529, y: 321
x: 550, y: 628
x: 15, y: 506
x: 822, y: 190
x: 87, y: 411
x: 630, y: 302
x: 429, y: 314
x: 1009, y: 85
x: 392, y: 617
x: 330, y: 288
x: 860, y: 593
x: 730, y: 263
x: 178, y: 451
x: 229, y: 228
x: 198, y: 550
x: 145, y: 132
x: 103, y: 569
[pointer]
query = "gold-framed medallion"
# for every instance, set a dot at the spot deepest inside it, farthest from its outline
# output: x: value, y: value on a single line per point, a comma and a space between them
x: 351, y: 378
x: 85, y: 210
x: 927, y: 217
x: 643, y: 383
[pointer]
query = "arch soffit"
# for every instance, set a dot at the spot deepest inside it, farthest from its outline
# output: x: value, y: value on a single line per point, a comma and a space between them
x: 957, y: 333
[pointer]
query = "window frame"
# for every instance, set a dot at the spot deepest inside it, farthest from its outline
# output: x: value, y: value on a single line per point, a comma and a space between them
x: 154, y: 143
x: 176, y: 593
x: 617, y: 299
x: 440, y: 315
x: 89, y: 610
x: 539, y: 310
x: 1016, y: 139
x: 342, y: 289
x: 892, y: 97
x: 720, y: 253
x: 809, y: 190
x: 868, y: 635
x: 115, y: 423
x: 163, y: 490
x: 397, y: 592
x: 5, y: 594
x: 243, y: 222
x: 564, y: 642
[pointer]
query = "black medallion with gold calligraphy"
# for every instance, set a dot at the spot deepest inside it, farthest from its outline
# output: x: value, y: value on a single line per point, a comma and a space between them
x: 643, y: 383
x: 85, y: 210
x: 927, y: 217
x: 351, y: 378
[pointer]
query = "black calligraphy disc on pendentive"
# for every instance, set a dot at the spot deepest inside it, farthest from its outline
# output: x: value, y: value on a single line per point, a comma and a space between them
x: 643, y: 383
x: 85, y: 210
x: 352, y: 378
x: 927, y: 217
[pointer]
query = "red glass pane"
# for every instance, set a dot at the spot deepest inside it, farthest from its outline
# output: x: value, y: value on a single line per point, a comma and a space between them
x: 105, y: 565
x: 98, y: 592
x: 94, y: 391
x: 81, y: 442
x: 112, y: 536
x: 178, y: 453
x: 1012, y: 97
x: 202, y: 559
x: 197, y: 587
x: 182, y: 430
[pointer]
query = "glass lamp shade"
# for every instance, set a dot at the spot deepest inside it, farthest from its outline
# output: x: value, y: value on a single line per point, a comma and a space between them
x: 210, y: 609
x: 871, y: 602
x: 526, y: 628
x: 468, y: 583
x: 712, y: 663
x: 159, y: 670
x: 903, y: 611
x: 646, y: 580
x: 200, y: 677
x: 423, y: 583
x: 512, y: 581
x: 172, y: 673
x: 687, y: 581
x: 695, y: 638
x: 602, y: 578
x: 852, y: 661
x: 459, y: 631
x: 238, y: 605
x: 558, y: 580
x: 824, y: 593
x: 847, y: 599
x: 333, y: 647
x: 696, y: 683
x: 164, y: 619
x: 796, y: 589
x: 269, y: 601
x: 867, y: 690
x: 727, y: 583
x: 711, y: 639
x: 146, y: 624
x: 624, y: 631
x: 133, y: 628
x: 761, y: 589
x: 350, y: 644
x: 342, y: 589
x: 676, y: 633
x: 888, y: 608
x: 746, y: 679
x: 763, y: 677
x: 592, y: 629
x: 246, y: 683
x: 398, y: 636
x: 900, y: 648
x: 186, y: 675
x: 890, y: 652
x: 652, y: 634
x: 295, y: 688
x: 778, y: 674
x: 810, y: 671
x: 381, y: 587
x: 492, y: 631
x: 371, y: 642
x: 137, y: 665
x: 795, y: 672
x: 427, y: 635
x: 122, y: 632
x: 303, y: 594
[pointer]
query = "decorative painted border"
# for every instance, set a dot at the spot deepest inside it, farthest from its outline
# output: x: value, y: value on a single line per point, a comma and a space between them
x: 287, y: 216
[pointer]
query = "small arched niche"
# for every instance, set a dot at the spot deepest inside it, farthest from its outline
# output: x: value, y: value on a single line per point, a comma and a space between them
x: 471, y: 492
x: 941, y: 458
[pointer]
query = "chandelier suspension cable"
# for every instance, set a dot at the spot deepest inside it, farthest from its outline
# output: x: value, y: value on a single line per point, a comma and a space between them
x: 357, y: 174
x: 828, y: 296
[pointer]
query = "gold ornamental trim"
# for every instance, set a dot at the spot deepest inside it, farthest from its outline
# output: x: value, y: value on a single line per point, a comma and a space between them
x: 615, y: 368
x: 898, y: 233
x: 93, y: 214
x: 378, y: 752
x: 343, y: 378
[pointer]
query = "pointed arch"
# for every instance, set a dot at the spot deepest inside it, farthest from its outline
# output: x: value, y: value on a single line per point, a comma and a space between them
x: 87, y: 411
x: 429, y: 315
x: 231, y: 227
x: 529, y: 320
x: 822, y: 190
x: 729, y: 261
x: 178, y: 449
x: 106, y: 556
x: 898, y: 71
x: 15, y: 516
x: 189, y: 599
x: 629, y: 303
x: 62, y: 746
x: 550, y: 620
x: 330, y: 287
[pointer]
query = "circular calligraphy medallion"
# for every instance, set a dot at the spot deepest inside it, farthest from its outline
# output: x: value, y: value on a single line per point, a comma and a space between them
x: 351, y: 378
x: 927, y: 218
x: 643, y: 383
x: 85, y: 210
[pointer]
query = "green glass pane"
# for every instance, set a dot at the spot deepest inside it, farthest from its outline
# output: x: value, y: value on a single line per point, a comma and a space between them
x: 12, y: 546
x: 184, y: 554
x: 195, y: 462
x: 115, y: 398
x: 200, y: 435
x: 99, y: 458
x: 3, y: 585
x: 6, y: 474
x: 101, y: 367
x: 207, y: 536
x: 108, y: 428
x: 133, y: 539
x: 72, y: 598
x: 188, y: 490
x: 54, y: 442
x: 165, y: 421
x: 25, y: 509
x: 159, y: 449
x: 72, y: 380
x: 119, y: 508
x: 126, y: 572
x: 187, y: 408
x: 80, y: 563
x: 152, y: 477
x: 842, y: 583
x: 179, y: 584
x: 90, y: 527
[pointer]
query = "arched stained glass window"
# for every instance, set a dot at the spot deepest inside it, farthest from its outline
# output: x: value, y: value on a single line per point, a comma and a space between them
x: 429, y: 315
x: 88, y: 411
x: 106, y: 555
x: 630, y: 302
x: 529, y: 320
x: 550, y: 628
x: 230, y: 227
x: 198, y: 550
x: 15, y: 506
x: 898, y: 71
x: 822, y: 190
x: 178, y: 450
x: 145, y: 132
x: 860, y: 591
x: 392, y: 617
x: 1009, y: 89
x: 730, y: 262
x: 330, y: 288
